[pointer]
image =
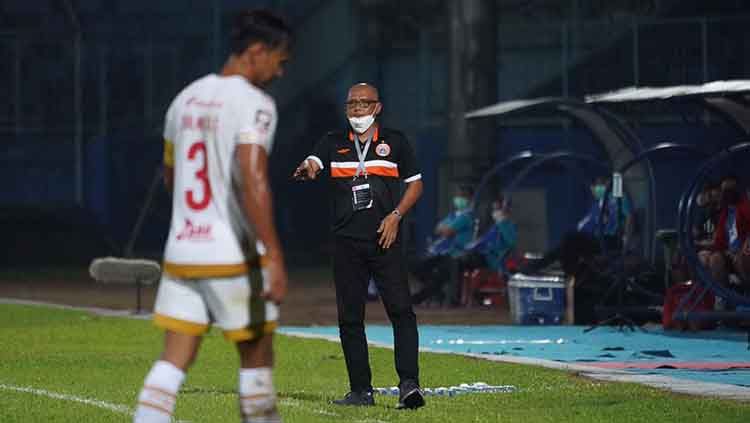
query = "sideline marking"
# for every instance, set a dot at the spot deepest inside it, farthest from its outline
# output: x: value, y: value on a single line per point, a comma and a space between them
x: 116, y: 408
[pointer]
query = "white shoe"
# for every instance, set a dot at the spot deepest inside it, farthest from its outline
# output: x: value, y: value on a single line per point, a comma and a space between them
x: 269, y: 417
x: 734, y: 280
x: 719, y: 304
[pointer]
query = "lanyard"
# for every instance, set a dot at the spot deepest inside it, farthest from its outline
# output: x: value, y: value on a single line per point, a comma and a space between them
x: 361, y: 155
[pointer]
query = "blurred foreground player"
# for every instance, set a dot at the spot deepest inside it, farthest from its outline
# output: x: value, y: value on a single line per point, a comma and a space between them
x: 218, y: 134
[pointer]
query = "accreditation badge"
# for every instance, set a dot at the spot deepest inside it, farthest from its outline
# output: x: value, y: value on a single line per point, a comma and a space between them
x: 361, y: 194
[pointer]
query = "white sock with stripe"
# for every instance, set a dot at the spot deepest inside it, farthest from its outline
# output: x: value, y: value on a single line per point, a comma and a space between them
x: 159, y: 394
x: 258, y: 396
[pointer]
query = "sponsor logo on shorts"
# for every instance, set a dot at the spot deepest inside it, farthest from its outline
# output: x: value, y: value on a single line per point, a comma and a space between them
x: 193, y: 232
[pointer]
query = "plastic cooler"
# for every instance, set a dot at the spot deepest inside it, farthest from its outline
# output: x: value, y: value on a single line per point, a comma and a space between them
x: 536, y: 300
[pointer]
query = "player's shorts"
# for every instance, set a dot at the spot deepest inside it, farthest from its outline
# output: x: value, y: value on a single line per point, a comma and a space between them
x: 191, y: 306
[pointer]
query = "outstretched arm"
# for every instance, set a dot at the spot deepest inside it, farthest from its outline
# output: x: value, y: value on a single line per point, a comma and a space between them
x: 307, y: 170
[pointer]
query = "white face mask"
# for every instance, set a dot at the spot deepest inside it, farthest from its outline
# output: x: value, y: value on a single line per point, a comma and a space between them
x: 361, y: 124
x: 498, y: 215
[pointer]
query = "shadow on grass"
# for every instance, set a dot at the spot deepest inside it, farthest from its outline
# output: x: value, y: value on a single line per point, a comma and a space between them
x: 203, y: 391
x: 295, y: 395
x: 304, y: 396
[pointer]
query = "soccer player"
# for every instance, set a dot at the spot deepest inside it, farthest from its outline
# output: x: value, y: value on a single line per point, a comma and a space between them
x: 218, y: 134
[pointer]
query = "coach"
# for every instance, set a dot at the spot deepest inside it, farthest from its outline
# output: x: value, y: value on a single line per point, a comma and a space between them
x: 366, y: 166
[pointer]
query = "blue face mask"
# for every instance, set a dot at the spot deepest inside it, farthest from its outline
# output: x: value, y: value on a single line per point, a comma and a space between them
x: 599, y: 191
x: 460, y: 203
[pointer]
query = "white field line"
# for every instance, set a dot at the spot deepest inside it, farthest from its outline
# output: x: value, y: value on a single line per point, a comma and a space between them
x: 116, y: 408
x: 290, y: 402
x: 128, y: 411
x: 96, y: 310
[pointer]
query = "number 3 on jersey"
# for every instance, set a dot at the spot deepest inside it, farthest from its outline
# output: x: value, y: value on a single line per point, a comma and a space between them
x: 197, y: 151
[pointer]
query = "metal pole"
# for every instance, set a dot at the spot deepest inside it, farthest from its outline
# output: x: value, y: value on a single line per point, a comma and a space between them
x: 425, y: 77
x: 480, y: 79
x: 704, y: 58
x: 78, y: 111
x: 564, y: 59
x: 704, y: 48
x: 636, y: 47
x: 17, y: 88
x: 77, y: 100
x: 148, y: 86
x: 457, y: 148
x: 138, y: 295
x: 145, y: 208
x: 103, y: 91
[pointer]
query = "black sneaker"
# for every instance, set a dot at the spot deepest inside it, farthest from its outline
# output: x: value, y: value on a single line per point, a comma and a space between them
x: 410, y: 395
x: 358, y: 399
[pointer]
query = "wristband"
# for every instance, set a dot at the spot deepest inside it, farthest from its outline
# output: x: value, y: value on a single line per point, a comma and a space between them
x: 397, y: 213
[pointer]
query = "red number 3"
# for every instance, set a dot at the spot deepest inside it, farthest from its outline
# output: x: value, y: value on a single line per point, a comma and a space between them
x: 202, y: 176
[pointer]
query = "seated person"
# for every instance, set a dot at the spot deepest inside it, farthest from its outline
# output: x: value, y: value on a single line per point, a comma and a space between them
x: 439, y: 265
x: 730, y: 252
x: 611, y: 228
x: 708, y: 202
x: 490, y: 250
x: 709, y: 206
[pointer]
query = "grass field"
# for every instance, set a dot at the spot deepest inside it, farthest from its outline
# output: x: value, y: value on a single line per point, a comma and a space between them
x: 68, y: 366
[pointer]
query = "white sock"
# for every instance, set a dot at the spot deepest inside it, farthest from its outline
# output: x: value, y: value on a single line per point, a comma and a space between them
x: 258, y: 396
x: 159, y: 394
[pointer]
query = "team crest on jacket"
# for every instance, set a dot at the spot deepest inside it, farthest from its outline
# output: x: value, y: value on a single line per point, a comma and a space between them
x: 383, y: 150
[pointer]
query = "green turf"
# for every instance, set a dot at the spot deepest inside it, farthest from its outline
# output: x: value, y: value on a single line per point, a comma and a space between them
x: 105, y: 359
x: 52, y: 273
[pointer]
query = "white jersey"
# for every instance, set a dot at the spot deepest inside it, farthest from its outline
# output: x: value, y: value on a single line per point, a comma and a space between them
x: 208, y: 235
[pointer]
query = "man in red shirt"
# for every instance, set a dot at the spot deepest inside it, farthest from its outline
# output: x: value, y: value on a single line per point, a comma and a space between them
x: 731, y: 247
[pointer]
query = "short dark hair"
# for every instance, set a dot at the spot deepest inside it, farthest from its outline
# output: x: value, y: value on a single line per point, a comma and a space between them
x: 600, y: 180
x: 259, y: 25
x: 505, y: 201
x: 466, y: 190
x: 730, y: 177
x: 711, y: 185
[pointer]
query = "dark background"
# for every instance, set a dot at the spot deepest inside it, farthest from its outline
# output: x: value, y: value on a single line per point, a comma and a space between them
x: 84, y: 86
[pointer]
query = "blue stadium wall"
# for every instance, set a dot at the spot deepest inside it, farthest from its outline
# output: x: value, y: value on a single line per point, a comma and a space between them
x: 331, y: 54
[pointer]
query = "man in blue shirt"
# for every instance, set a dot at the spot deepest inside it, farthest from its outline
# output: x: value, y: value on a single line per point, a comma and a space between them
x: 438, y: 270
x: 607, y: 223
x: 500, y: 239
x: 491, y: 250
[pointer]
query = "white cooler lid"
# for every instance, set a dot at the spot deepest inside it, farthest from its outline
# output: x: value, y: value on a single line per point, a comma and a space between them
x: 537, y: 284
x: 520, y: 277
